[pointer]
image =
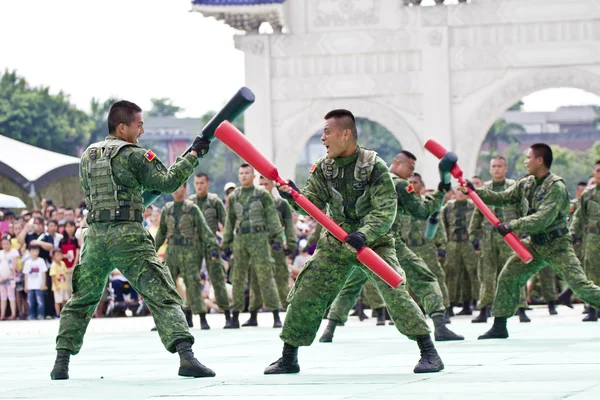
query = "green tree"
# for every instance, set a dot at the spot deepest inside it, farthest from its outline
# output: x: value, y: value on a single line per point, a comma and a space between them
x: 34, y: 116
x: 517, y: 106
x: 502, y: 131
x: 99, y: 114
x: 163, y: 107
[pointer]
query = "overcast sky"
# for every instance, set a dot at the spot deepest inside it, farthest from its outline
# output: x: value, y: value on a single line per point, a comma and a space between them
x: 139, y: 49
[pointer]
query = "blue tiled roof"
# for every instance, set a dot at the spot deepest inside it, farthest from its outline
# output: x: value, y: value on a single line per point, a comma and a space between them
x: 235, y: 2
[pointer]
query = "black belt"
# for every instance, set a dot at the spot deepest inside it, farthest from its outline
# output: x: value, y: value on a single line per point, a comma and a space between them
x: 543, y: 238
x: 120, y: 214
x: 248, y: 229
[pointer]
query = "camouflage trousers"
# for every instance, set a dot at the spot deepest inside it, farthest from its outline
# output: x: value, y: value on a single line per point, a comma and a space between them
x: 370, y: 294
x: 559, y: 255
x: 325, y: 274
x: 185, y: 261
x: 428, y: 252
x: 282, y: 281
x: 420, y: 279
x: 547, y: 278
x: 461, y: 271
x: 252, y: 252
x: 592, y: 257
x: 494, y: 254
x: 130, y: 248
x: 216, y: 273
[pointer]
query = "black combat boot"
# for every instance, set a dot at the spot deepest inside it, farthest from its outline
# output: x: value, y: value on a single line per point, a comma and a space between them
x: 380, y: 313
x: 327, y: 336
x: 287, y: 364
x: 451, y: 310
x: 466, y: 309
x: 552, y: 307
x: 276, y: 320
x: 430, y: 360
x: 592, y: 315
x: 498, y: 330
x: 565, y: 298
x: 475, y: 308
x: 442, y: 333
x: 447, y: 316
x: 227, y: 318
x: 189, y: 317
x: 586, y: 310
x: 522, y: 316
x: 203, y: 322
x: 252, y: 321
x: 188, y: 364
x: 234, y: 322
x: 482, y: 317
x: 61, y: 365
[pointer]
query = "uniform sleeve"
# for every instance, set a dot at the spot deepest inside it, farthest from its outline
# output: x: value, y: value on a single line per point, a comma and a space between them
x: 384, y: 205
x: 221, y: 212
x: 476, y: 224
x: 419, y: 207
x: 290, y: 230
x: 314, y: 190
x: 272, y: 217
x: 205, y: 234
x: 512, y: 195
x: 441, y: 239
x: 579, y: 219
x: 229, y: 224
x: 153, y: 175
x: 444, y: 220
x: 555, y: 201
x: 161, y: 234
x: 314, y: 237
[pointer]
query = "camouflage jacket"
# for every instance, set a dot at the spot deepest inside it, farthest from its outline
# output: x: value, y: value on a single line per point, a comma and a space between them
x: 456, y: 216
x: 586, y: 217
x: 287, y: 222
x: 546, y: 199
x: 414, y: 230
x: 508, y: 213
x: 212, y: 208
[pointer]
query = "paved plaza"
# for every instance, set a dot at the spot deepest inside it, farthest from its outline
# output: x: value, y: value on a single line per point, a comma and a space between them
x: 551, y: 358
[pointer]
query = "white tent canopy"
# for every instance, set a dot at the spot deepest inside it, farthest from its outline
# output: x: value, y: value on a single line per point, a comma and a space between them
x: 31, y: 167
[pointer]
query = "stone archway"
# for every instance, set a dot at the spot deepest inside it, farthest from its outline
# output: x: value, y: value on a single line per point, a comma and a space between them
x: 509, y: 92
x: 294, y: 132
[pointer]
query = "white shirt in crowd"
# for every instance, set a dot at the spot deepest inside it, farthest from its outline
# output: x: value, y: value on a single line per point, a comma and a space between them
x: 34, y: 270
x: 301, y: 259
x: 7, y: 260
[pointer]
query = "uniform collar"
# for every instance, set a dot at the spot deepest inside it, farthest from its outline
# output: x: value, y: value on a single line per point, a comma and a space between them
x: 343, y: 161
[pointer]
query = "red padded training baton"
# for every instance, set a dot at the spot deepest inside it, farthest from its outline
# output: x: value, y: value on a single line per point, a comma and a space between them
x: 511, y: 239
x: 239, y: 144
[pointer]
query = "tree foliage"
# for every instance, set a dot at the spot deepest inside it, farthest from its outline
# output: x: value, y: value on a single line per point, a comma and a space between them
x: 99, y: 115
x: 502, y: 131
x: 35, y: 116
x: 163, y: 107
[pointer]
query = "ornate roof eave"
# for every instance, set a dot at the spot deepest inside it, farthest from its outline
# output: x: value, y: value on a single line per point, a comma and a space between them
x: 245, y: 15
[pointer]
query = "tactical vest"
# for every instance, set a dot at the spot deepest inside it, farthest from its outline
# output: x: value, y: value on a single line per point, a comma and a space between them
x: 281, y: 210
x: 180, y: 228
x: 362, y: 176
x: 105, y: 199
x: 249, y: 217
x: 209, y: 210
x: 504, y: 214
x: 534, y: 197
x: 592, y: 210
x: 458, y: 216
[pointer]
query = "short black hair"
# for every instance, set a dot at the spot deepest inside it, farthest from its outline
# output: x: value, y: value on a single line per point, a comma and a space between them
x: 476, y: 177
x: 408, y: 154
x: 544, y: 151
x: 56, y: 250
x: 34, y: 247
x: 417, y: 175
x: 52, y: 221
x: 499, y: 158
x: 69, y: 209
x: 246, y: 165
x: 40, y: 220
x: 582, y: 184
x: 70, y: 223
x: 346, y: 119
x: 202, y: 175
x: 121, y: 112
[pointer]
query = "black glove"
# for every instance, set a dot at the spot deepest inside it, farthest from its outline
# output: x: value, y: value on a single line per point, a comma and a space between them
x: 504, y: 229
x: 228, y: 251
x: 575, y: 239
x: 201, y: 146
x: 444, y: 187
x: 288, y: 196
x: 470, y: 185
x: 441, y: 253
x: 356, y: 240
x: 476, y: 245
x: 288, y: 252
x: 276, y: 246
x: 214, y: 253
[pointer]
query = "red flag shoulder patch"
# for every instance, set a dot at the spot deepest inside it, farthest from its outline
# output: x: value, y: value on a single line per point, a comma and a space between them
x: 572, y: 208
x: 312, y: 169
x: 410, y: 188
x: 150, y: 155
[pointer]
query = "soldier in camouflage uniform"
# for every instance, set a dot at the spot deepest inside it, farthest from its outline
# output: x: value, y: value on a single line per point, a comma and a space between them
x: 549, y: 241
x: 413, y: 233
x: 586, y: 229
x: 184, y: 227
x: 252, y: 230
x: 356, y: 189
x: 461, y: 260
x: 421, y: 280
x: 494, y: 252
x: 113, y: 174
x: 214, y: 213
